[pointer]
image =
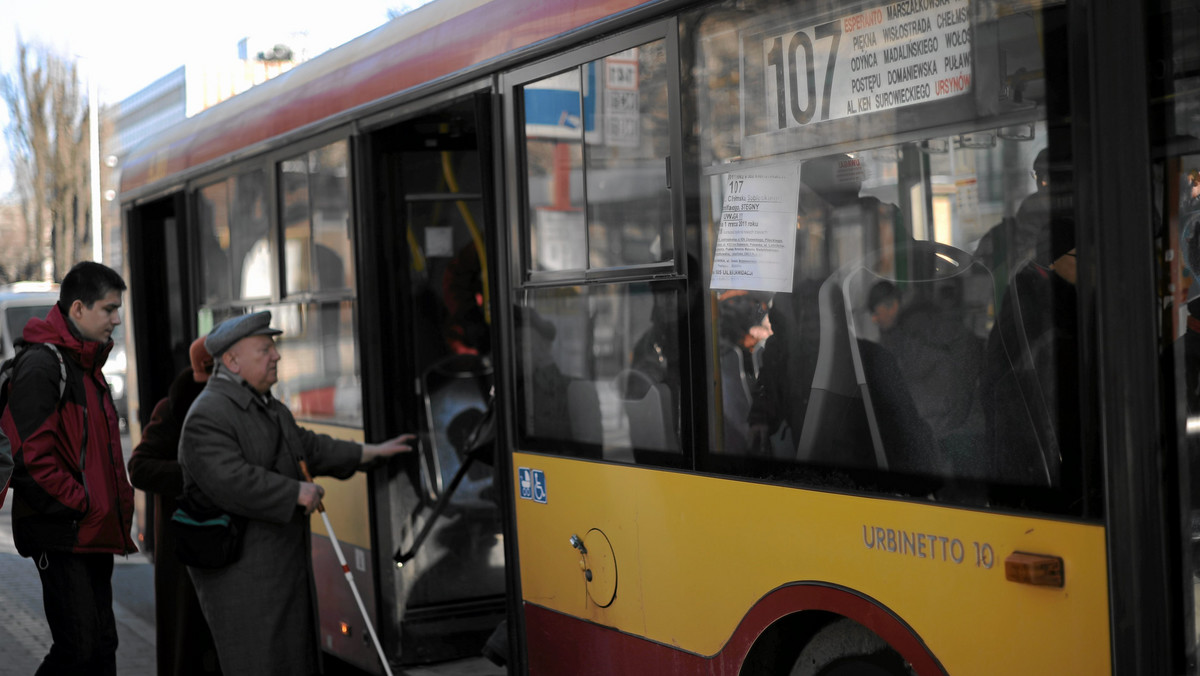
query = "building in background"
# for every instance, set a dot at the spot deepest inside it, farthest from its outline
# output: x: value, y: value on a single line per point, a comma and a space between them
x: 182, y: 93
x: 185, y: 91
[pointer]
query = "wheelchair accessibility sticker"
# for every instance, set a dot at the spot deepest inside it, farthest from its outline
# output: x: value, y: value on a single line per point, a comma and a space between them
x: 533, y: 484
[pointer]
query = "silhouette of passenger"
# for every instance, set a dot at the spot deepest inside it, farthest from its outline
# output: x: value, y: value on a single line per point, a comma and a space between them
x: 1028, y: 386
x: 1009, y: 244
x: 1033, y: 216
x: 938, y: 356
x: 883, y: 301
x: 741, y: 330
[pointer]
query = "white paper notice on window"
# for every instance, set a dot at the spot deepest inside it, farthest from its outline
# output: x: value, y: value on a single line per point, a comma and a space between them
x: 756, y: 241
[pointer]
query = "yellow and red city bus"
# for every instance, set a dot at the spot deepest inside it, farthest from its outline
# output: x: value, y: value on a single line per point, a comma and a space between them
x: 815, y: 337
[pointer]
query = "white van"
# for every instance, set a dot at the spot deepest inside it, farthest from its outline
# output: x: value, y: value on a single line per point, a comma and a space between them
x: 19, y: 303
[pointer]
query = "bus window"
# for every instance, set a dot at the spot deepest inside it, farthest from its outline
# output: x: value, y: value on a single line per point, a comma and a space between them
x: 1175, y: 132
x: 212, y: 206
x: 318, y: 375
x: 596, y: 145
x: 598, y: 372
x: 318, y: 368
x: 235, y: 248
x: 315, y: 208
x: 907, y: 305
x: 598, y: 368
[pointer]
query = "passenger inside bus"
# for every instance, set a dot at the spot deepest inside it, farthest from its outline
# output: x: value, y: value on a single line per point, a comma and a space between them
x: 884, y: 303
x: 831, y: 211
x: 926, y: 335
x: 466, y: 328
x: 1032, y: 422
x: 1009, y: 244
x: 742, y: 330
x: 808, y: 396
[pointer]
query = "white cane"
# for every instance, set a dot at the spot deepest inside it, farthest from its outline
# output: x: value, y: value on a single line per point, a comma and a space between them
x: 337, y: 547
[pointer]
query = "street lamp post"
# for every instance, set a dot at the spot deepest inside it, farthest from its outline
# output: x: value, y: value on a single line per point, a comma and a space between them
x: 94, y: 128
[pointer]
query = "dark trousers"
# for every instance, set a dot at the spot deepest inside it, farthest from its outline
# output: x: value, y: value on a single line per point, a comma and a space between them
x: 77, y: 595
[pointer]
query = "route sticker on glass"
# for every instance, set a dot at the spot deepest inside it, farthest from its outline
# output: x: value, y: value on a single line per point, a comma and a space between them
x: 757, y: 238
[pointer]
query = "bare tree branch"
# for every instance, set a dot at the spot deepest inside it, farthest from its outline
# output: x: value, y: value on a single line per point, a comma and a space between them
x: 48, y: 143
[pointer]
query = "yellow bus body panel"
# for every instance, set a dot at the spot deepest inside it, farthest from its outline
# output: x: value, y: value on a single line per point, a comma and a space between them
x: 693, y: 554
x: 345, y: 501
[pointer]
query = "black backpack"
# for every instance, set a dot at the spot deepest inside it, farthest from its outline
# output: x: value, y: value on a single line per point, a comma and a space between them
x: 6, y: 374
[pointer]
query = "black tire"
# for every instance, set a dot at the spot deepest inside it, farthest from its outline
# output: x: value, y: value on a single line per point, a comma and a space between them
x: 845, y: 648
x: 886, y: 663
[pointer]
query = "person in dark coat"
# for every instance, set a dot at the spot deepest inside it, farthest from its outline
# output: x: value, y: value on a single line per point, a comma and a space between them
x: 240, y: 451
x: 72, y: 503
x: 1028, y: 385
x: 183, y: 642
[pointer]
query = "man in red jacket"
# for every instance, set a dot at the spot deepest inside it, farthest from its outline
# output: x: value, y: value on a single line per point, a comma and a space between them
x: 72, y: 503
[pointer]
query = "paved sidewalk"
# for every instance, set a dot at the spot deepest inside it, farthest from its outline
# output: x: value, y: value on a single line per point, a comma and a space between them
x: 24, y: 635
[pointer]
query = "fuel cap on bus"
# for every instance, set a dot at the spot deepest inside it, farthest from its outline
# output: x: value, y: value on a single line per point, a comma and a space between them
x: 598, y: 564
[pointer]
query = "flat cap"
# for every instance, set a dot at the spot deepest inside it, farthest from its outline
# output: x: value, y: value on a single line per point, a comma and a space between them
x: 230, y: 331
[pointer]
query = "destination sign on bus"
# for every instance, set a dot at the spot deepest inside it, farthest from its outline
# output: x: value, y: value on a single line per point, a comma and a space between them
x: 900, y: 54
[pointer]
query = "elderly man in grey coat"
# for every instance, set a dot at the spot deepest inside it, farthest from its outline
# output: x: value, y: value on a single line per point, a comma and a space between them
x: 240, y: 451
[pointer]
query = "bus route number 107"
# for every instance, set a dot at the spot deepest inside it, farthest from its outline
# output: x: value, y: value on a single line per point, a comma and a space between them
x: 792, y: 70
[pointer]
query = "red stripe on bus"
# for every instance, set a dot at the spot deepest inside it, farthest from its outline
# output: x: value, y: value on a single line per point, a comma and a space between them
x: 273, y: 108
x: 557, y: 641
x: 867, y: 612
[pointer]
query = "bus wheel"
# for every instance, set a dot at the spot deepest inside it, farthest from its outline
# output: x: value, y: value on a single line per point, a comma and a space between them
x: 846, y: 648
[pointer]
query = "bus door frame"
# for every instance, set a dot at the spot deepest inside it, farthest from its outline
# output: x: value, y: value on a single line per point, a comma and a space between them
x: 388, y: 384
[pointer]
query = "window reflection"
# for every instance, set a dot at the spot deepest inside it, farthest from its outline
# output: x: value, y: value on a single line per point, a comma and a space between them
x: 315, y: 203
x: 318, y: 369
x: 598, y: 372
x: 919, y: 302
x: 912, y: 339
x: 233, y: 230
x: 238, y: 262
x: 250, y: 248
x: 297, y: 224
x: 597, y: 140
x: 212, y: 207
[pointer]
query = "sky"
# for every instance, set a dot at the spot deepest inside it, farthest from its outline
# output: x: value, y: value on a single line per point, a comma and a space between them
x: 128, y: 44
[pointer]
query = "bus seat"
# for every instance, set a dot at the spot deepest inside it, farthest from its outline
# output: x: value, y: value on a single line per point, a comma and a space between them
x: 922, y: 373
x: 583, y: 407
x: 836, y: 430
x: 650, y: 415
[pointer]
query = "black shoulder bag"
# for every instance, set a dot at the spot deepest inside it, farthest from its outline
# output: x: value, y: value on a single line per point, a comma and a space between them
x: 206, y: 538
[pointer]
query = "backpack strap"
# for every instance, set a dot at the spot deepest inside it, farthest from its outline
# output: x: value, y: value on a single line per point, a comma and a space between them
x: 62, y: 370
x: 62, y: 388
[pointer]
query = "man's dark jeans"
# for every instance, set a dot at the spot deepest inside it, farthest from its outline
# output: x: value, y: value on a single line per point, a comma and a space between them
x: 77, y: 595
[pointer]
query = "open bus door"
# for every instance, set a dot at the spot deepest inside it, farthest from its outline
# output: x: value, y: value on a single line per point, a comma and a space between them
x: 159, y: 318
x: 427, y: 192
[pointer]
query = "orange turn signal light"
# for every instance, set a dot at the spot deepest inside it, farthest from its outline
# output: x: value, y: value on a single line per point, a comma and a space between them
x: 345, y: 629
x: 1036, y: 569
